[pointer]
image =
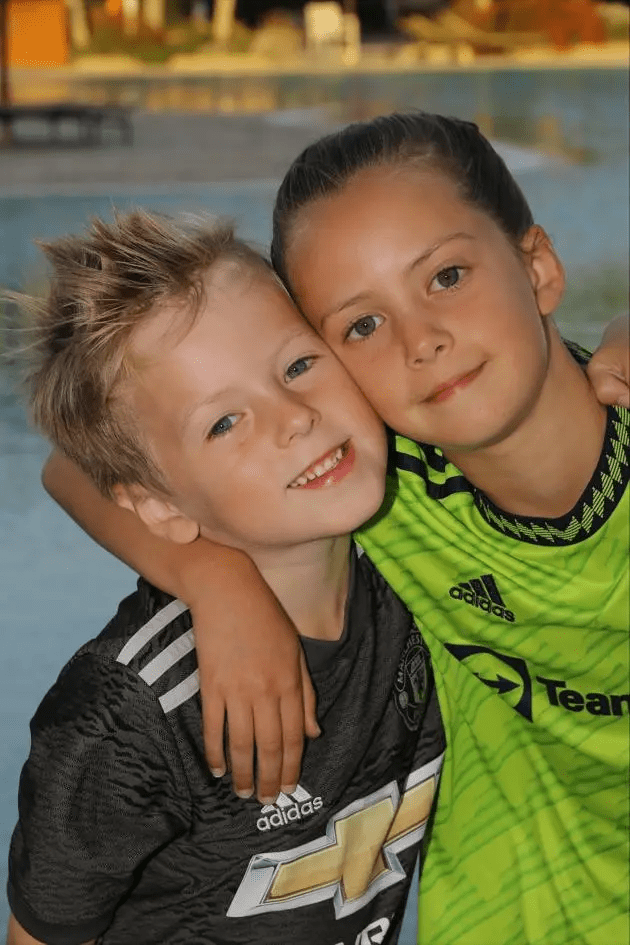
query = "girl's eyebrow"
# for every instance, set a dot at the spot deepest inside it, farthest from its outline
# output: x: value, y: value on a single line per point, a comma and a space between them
x: 415, y: 262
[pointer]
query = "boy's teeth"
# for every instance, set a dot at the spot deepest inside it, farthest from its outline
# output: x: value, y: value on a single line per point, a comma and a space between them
x: 320, y: 469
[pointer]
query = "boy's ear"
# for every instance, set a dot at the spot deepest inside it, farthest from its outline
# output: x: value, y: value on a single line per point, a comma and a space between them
x: 546, y: 272
x: 159, y: 515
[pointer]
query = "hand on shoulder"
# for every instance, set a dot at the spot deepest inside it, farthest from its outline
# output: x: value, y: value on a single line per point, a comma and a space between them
x: 609, y: 368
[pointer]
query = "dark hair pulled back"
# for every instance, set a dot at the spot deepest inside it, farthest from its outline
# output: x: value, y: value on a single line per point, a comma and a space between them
x: 455, y: 147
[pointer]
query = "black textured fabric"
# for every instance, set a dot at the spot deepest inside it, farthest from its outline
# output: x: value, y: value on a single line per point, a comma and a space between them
x: 125, y: 837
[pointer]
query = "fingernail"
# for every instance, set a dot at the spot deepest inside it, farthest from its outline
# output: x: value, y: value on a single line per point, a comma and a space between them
x: 217, y: 772
x: 289, y: 789
x: 267, y: 800
x: 318, y: 732
x: 244, y: 794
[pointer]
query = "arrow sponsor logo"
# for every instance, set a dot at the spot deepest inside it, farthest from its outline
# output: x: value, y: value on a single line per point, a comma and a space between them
x: 507, y: 675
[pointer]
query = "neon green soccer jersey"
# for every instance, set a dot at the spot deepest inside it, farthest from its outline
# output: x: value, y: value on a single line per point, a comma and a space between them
x: 527, y: 622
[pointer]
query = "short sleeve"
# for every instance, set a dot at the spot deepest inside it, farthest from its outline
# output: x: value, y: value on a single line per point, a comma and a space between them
x: 102, y: 790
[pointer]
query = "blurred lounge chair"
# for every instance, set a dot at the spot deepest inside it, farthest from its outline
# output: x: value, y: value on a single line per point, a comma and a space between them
x: 449, y: 28
x: 487, y: 38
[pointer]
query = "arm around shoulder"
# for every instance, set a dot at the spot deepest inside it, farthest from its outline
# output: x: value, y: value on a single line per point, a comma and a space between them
x: 251, y: 664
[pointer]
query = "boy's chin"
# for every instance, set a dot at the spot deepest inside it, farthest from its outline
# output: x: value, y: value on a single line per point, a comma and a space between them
x: 366, y: 513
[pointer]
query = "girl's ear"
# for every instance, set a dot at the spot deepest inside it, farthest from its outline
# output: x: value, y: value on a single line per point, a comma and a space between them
x: 160, y: 516
x: 546, y: 272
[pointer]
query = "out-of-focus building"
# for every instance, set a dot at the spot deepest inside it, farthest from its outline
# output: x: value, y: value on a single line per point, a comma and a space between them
x: 43, y: 32
x: 37, y: 32
x: 375, y: 16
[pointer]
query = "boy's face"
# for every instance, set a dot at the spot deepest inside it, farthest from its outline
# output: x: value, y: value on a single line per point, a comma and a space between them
x: 427, y: 303
x: 261, y: 434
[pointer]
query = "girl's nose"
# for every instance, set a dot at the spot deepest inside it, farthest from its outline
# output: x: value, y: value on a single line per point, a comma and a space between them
x: 424, y: 341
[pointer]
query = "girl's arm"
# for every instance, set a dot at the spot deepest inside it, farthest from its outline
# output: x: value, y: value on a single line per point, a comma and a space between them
x: 238, y: 662
x: 609, y: 368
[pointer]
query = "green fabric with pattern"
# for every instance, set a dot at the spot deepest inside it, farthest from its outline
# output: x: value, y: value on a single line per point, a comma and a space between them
x: 527, y: 622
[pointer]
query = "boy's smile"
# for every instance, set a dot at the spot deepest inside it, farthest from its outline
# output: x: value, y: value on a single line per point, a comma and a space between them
x: 328, y: 469
x: 250, y: 416
x: 432, y: 309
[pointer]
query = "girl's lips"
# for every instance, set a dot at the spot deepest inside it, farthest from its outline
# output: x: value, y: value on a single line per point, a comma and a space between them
x: 334, y: 475
x: 443, y: 393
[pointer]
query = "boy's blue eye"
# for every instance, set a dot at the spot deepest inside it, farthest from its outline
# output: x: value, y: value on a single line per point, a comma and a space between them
x: 222, y: 426
x: 298, y: 367
x: 364, y: 326
x: 449, y: 277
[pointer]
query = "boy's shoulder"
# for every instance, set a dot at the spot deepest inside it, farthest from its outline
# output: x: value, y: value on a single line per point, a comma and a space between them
x: 144, y: 624
x: 112, y: 700
x: 148, y: 644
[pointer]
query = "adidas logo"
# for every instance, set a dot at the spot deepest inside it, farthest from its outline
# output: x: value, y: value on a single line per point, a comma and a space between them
x: 482, y: 592
x: 288, y: 808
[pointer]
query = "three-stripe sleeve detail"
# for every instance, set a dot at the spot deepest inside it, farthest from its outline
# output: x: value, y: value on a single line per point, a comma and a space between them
x: 168, y: 657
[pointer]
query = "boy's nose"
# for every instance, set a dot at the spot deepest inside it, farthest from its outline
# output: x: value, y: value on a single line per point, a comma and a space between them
x: 296, y: 417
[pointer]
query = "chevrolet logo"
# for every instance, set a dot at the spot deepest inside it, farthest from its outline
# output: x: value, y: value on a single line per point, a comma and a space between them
x: 356, y: 858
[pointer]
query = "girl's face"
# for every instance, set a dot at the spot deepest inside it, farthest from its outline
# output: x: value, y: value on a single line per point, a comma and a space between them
x: 433, y: 311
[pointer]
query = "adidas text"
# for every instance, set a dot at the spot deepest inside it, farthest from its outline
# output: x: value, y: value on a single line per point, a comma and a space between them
x: 282, y: 816
x: 483, y: 603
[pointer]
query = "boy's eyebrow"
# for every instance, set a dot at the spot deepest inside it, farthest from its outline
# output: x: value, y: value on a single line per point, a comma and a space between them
x: 205, y: 402
x: 416, y: 262
x: 301, y: 330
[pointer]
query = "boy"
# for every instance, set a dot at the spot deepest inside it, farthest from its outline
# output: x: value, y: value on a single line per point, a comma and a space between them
x: 173, y: 368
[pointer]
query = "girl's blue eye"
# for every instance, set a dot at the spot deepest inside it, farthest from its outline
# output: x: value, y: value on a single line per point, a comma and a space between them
x: 364, y: 327
x: 298, y: 367
x: 223, y: 426
x: 449, y: 277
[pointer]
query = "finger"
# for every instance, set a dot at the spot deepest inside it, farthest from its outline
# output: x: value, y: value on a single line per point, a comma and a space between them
x: 309, y: 702
x: 609, y: 388
x: 240, y: 747
x: 622, y: 398
x: 292, y: 715
x: 269, y: 743
x: 213, y: 714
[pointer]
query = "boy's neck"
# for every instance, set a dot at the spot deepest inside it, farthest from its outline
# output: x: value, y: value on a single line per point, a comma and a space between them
x: 543, y: 467
x: 311, y: 583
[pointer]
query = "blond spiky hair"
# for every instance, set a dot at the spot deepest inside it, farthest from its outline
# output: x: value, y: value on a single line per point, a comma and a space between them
x: 104, y: 284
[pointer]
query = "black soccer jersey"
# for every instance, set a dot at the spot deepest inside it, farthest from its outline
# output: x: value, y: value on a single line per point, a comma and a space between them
x: 125, y: 837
